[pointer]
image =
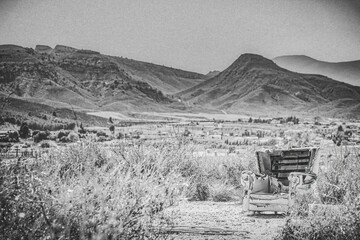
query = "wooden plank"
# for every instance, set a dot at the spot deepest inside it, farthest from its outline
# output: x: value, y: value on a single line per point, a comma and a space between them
x: 305, y: 153
x: 270, y: 208
x: 282, y: 175
x: 291, y: 162
x: 267, y: 202
x: 288, y: 171
x: 290, y: 158
x: 268, y: 197
x: 291, y: 167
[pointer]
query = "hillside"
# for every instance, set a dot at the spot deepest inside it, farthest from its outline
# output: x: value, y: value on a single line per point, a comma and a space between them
x: 254, y: 84
x: 67, y: 78
x: 348, y: 72
x: 88, y: 80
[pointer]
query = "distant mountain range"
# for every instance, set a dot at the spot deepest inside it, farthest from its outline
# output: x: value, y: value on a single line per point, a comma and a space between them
x: 65, y: 77
x: 348, y: 72
x: 254, y: 84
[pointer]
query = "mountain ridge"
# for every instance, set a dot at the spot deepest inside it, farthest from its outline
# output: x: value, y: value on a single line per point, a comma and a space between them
x: 90, y: 81
x: 348, y: 72
x: 254, y: 82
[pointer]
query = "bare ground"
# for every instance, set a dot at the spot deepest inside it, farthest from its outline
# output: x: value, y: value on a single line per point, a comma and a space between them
x: 222, y: 220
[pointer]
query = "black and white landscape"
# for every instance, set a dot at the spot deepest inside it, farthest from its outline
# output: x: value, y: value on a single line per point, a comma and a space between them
x: 148, y: 119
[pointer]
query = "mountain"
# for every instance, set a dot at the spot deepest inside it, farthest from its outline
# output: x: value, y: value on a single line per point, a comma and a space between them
x: 84, y: 80
x: 348, y: 72
x: 212, y: 74
x: 254, y: 84
x: 87, y: 80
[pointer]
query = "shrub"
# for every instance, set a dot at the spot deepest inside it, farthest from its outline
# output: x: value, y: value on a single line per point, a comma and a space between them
x: 13, y: 136
x: 41, y: 135
x: 35, y: 132
x: 337, y: 188
x: 101, y: 134
x: 198, y: 191
x: 63, y: 134
x: 120, y: 135
x: 112, y: 129
x: 73, y: 137
x: 45, y: 145
x: 82, y: 192
x: 222, y: 192
x: 102, y: 139
x: 24, y: 131
x: 64, y: 139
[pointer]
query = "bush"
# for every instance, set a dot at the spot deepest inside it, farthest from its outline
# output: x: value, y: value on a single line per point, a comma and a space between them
x: 64, y: 139
x: 198, y: 191
x: 63, y: 134
x: 35, y: 132
x: 41, y: 135
x: 45, y: 145
x: 101, y: 134
x: 322, y: 225
x: 73, y: 137
x: 24, y: 131
x: 337, y: 187
x: 120, y: 135
x: 13, y: 136
x: 112, y: 129
x: 80, y: 192
x: 102, y: 139
x: 222, y: 192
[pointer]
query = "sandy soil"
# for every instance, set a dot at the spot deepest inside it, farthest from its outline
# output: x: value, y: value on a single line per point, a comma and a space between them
x: 222, y: 220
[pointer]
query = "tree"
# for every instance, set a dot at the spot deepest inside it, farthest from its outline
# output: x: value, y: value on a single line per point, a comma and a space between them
x: 250, y: 120
x: 112, y: 129
x: 340, y: 128
x: 24, y: 131
x: 110, y: 120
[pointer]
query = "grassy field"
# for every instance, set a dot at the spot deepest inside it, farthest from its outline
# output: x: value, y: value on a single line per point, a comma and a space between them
x: 124, y: 188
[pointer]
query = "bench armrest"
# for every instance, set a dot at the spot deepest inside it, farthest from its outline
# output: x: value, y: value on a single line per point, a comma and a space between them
x: 300, y: 180
x: 247, y: 180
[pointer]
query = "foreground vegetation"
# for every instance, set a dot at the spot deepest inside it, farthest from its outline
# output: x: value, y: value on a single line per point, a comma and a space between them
x: 334, y: 211
x: 91, y: 190
x: 84, y: 191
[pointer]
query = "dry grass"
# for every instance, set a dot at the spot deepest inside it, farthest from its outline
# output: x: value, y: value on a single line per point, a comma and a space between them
x: 338, y: 189
x: 85, y: 191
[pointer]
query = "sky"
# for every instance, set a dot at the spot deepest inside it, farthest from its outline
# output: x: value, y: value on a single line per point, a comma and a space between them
x: 195, y: 35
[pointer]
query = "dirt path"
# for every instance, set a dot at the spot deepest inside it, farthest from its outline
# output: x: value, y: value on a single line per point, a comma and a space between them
x: 217, y: 220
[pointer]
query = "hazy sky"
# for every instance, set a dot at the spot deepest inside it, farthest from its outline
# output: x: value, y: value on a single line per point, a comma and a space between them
x: 197, y: 35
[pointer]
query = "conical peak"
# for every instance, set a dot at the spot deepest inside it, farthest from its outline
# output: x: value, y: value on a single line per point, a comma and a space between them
x: 253, y: 60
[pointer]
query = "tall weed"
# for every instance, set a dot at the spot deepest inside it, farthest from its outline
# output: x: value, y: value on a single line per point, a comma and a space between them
x: 85, y: 192
x: 337, y: 188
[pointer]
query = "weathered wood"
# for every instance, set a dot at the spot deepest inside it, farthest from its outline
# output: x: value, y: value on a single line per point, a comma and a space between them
x: 282, y: 163
x: 292, y: 161
x: 202, y: 230
x: 292, y: 167
x: 268, y: 207
x: 268, y: 197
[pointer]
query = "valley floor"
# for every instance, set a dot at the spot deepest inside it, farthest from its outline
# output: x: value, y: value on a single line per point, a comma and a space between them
x: 222, y: 220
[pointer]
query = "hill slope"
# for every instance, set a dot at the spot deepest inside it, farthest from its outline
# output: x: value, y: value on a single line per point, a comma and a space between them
x: 89, y: 80
x: 348, y: 72
x: 254, y: 84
